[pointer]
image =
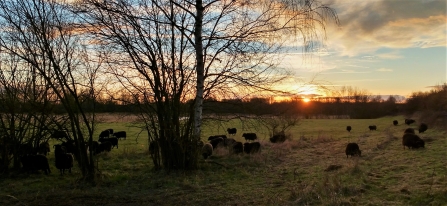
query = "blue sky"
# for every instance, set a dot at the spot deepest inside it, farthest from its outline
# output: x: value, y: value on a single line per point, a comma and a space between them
x: 382, y: 46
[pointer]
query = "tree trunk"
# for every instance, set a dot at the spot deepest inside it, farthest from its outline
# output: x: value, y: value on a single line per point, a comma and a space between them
x: 200, y: 71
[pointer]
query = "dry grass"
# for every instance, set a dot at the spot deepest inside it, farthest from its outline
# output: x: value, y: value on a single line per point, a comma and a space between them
x: 309, y: 168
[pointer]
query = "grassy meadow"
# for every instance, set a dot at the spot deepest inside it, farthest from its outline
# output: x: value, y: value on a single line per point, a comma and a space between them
x: 310, y: 168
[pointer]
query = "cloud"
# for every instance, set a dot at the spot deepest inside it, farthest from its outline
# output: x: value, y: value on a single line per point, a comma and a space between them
x: 384, y: 70
x: 369, y: 25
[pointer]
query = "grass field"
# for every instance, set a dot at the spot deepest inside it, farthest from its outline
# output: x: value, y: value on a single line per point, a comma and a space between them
x: 309, y: 169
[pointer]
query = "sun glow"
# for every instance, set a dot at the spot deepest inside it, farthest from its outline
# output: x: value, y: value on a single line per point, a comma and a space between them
x: 306, y: 100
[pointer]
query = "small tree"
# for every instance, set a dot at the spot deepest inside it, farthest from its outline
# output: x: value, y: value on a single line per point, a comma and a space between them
x: 41, y: 34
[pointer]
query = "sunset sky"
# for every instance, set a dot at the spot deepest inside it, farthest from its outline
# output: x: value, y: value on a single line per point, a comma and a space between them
x: 383, y: 46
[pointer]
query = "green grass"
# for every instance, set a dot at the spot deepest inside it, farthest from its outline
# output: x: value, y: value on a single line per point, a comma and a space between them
x: 291, y: 173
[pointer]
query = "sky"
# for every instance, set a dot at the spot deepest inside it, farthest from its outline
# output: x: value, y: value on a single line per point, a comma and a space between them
x: 387, y: 47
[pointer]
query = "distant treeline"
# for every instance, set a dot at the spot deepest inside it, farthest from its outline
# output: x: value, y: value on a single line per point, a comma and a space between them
x: 336, y: 107
x: 341, y: 107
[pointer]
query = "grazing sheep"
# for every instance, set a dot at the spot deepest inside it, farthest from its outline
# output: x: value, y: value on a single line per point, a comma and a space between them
x: 409, y: 121
x: 237, y: 148
x: 217, y: 142
x: 59, y: 134
x: 44, y: 148
x: 94, y: 148
x: 409, y: 131
x: 395, y: 122
x: 412, y: 141
x: 120, y: 134
x: 253, y: 147
x: 232, y: 131
x: 105, y: 134
x: 353, y: 150
x: 423, y: 127
x: 372, y: 127
x: 112, y: 140
x: 229, y: 142
x: 32, y: 163
x: 217, y: 136
x: 64, y: 160
x: 207, y: 150
x: 104, y: 146
x: 278, y: 138
x: 349, y: 128
x: 249, y: 136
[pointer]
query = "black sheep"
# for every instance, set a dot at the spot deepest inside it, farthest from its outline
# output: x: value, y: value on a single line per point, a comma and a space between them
x: 249, y: 136
x: 353, y: 150
x: 217, y: 136
x: 423, y: 127
x: 120, y: 134
x: 237, y: 148
x: 70, y: 146
x: 395, y: 122
x: 112, y: 140
x: 349, y: 128
x: 229, y: 142
x: 94, y: 148
x: 372, y: 127
x: 59, y: 134
x: 32, y: 163
x: 105, y: 134
x: 232, y: 131
x: 412, y: 141
x: 104, y: 146
x: 217, y: 142
x: 278, y: 138
x: 253, y: 147
x: 409, y: 130
x: 409, y: 121
x: 64, y: 160
x: 44, y: 148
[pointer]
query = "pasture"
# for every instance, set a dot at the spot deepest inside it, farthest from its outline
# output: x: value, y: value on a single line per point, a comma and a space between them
x: 310, y: 168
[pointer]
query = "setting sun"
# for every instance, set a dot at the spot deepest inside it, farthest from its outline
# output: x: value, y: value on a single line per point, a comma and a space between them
x: 306, y: 100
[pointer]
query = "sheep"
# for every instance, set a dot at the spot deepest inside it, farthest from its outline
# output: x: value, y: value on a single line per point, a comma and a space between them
x: 353, y: 150
x: 232, y: 131
x: 31, y: 163
x: 207, y: 150
x: 112, y: 140
x: 395, y: 122
x: 409, y: 121
x: 349, y: 128
x: 278, y: 138
x: 229, y: 142
x: 59, y: 134
x: 249, y: 136
x: 105, y: 134
x: 217, y: 142
x: 237, y: 148
x: 412, y: 141
x: 423, y: 127
x: 253, y: 147
x: 94, y: 148
x: 217, y: 136
x: 120, y: 134
x: 372, y: 127
x: 409, y: 130
x: 104, y: 146
x: 44, y: 148
x: 64, y: 160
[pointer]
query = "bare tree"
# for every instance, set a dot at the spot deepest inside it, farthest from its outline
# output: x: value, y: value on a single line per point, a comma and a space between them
x: 170, y: 51
x: 42, y: 34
